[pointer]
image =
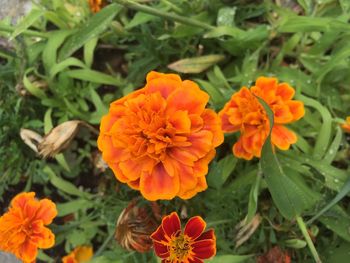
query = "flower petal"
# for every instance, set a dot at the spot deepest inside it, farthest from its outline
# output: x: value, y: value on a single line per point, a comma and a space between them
x: 282, y: 137
x: 296, y: 108
x: 47, y: 211
x: 195, y: 227
x: 240, y: 152
x: 159, y: 184
x: 285, y: 91
x: 209, y: 234
x: 161, y: 250
x: 204, y: 249
x: 171, y: 224
x: 212, y: 123
x: 180, y: 121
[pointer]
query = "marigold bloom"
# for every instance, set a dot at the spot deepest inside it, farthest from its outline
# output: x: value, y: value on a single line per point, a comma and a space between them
x: 96, y: 5
x: 189, y: 246
x: 161, y: 138
x: 346, y: 126
x: 80, y: 254
x: 22, y: 228
x: 244, y: 113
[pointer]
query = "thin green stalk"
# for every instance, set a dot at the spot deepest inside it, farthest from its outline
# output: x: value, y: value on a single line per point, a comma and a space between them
x: 307, y: 237
x: 32, y: 33
x: 103, y: 246
x: 152, y: 11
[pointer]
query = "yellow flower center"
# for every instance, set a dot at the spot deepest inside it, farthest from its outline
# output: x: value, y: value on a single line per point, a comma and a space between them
x: 180, y: 248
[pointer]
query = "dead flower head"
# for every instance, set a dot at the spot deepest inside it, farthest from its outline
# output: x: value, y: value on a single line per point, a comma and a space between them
x: 135, y: 225
x: 58, y: 138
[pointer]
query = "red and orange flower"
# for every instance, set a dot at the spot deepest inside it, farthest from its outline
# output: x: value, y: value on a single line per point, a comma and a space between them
x: 161, y: 138
x: 80, y: 254
x: 346, y: 126
x: 244, y: 113
x: 22, y: 228
x: 192, y: 245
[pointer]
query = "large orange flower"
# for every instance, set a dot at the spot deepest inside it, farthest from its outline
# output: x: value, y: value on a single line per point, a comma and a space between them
x: 22, y: 228
x: 190, y: 246
x: 346, y: 126
x: 161, y: 138
x: 80, y: 254
x: 244, y: 113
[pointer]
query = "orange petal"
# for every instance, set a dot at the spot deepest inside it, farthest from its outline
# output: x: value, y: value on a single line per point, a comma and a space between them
x: 131, y: 169
x: 180, y: 121
x: 285, y: 91
x: 240, y: 152
x: 201, y: 143
x: 200, y: 186
x: 282, y: 137
x: 282, y: 113
x: 195, y: 227
x: 296, y: 108
x: 185, y: 99
x: 159, y: 184
x: 212, y: 123
x: 28, y: 252
x: 200, y: 167
x: 21, y: 199
x: 47, y: 211
x: 163, y: 83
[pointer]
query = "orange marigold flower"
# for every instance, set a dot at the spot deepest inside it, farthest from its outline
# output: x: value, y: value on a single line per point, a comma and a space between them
x: 161, y: 138
x: 244, y: 113
x: 346, y: 126
x: 189, y: 246
x: 22, y: 228
x: 96, y: 5
x: 80, y: 254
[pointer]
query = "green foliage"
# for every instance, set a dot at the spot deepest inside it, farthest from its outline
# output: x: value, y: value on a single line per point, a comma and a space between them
x: 65, y: 63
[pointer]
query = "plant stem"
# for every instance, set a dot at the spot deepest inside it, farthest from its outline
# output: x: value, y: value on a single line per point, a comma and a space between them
x: 31, y: 33
x: 103, y: 246
x: 152, y: 11
x: 307, y: 237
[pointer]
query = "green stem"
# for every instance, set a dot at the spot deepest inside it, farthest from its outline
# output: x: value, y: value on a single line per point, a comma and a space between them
x: 152, y: 11
x: 31, y: 33
x: 307, y: 237
x: 103, y: 246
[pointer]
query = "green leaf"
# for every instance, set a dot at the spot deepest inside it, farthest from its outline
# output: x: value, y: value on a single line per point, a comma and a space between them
x: 27, y: 21
x: 94, y: 76
x: 34, y: 90
x: 55, y: 69
x: 324, y: 134
x: 294, y: 24
x: 337, y: 220
x: 73, y: 206
x: 64, y: 185
x: 221, y: 171
x: 89, y: 49
x: 139, y: 19
x: 295, y: 243
x: 333, y: 148
x: 226, y: 16
x: 93, y: 28
x: 195, y: 65
x: 230, y: 258
x: 49, y: 55
x: 342, y: 193
x: 286, y: 194
x: 253, y: 197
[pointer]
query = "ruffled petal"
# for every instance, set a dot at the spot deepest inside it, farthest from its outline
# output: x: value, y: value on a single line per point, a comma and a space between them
x: 296, y: 108
x: 161, y: 250
x: 240, y: 152
x: 285, y: 92
x: 47, y: 211
x: 282, y: 137
x: 159, y: 184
